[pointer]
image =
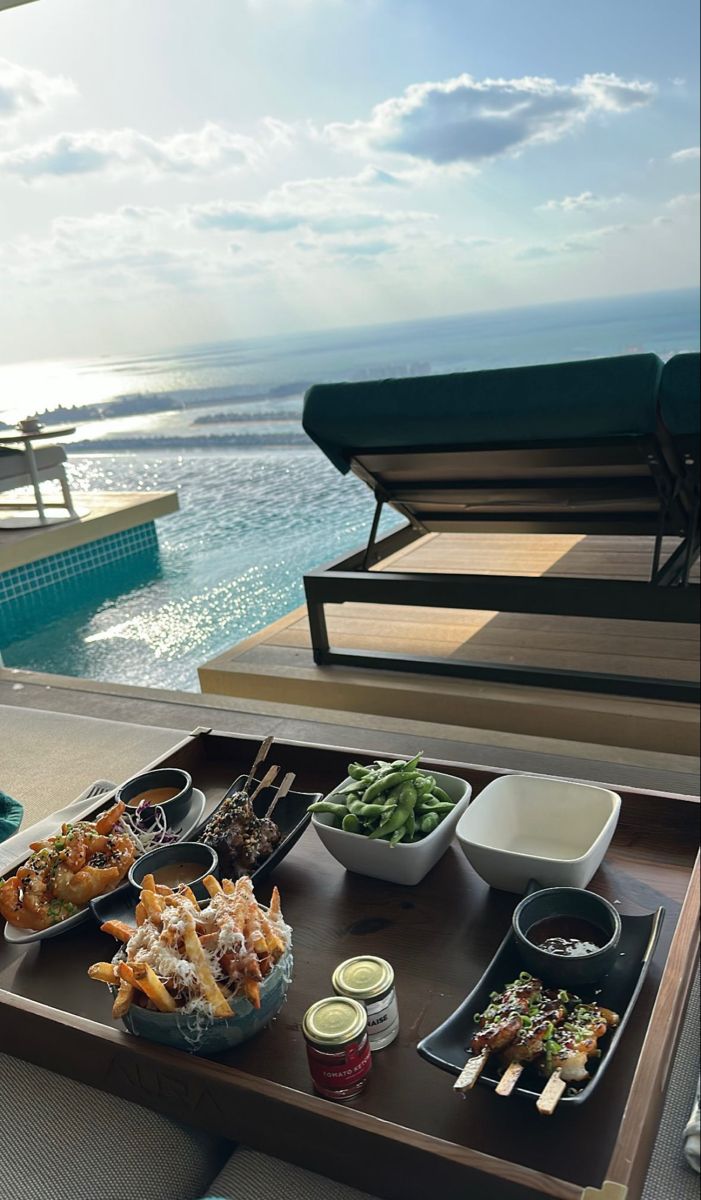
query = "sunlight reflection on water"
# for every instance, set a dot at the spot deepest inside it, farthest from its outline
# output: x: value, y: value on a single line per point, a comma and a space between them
x: 231, y: 561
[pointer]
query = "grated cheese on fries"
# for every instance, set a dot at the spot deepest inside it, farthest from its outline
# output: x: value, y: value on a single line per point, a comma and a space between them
x: 184, y: 958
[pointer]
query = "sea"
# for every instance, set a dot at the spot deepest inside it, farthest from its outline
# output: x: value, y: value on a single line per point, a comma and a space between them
x: 259, y: 504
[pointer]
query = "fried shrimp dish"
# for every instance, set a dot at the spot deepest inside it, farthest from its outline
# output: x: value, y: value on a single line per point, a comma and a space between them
x: 66, y: 871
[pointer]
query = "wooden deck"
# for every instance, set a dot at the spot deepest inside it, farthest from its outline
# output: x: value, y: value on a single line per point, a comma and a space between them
x: 277, y: 662
x: 105, y: 513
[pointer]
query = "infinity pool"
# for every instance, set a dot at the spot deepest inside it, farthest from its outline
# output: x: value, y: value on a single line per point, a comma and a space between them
x: 230, y: 562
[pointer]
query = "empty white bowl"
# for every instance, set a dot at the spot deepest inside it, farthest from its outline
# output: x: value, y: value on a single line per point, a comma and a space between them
x: 524, y: 827
x: 406, y: 864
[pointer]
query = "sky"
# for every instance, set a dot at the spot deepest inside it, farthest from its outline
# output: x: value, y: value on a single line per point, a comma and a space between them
x: 174, y: 172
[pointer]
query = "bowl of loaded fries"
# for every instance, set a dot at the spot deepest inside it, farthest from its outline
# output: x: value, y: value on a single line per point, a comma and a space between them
x: 201, y: 976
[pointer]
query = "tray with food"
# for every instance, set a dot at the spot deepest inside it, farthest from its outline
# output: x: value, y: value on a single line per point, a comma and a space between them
x: 334, y: 1080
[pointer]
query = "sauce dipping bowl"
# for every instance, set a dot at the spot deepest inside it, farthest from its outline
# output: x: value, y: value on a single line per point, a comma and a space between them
x: 175, y: 808
x: 178, y: 852
x: 557, y: 970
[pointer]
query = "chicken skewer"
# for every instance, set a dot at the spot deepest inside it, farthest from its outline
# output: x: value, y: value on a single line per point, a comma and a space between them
x: 500, y: 1024
x: 263, y: 751
x: 564, y: 1060
x: 547, y: 1012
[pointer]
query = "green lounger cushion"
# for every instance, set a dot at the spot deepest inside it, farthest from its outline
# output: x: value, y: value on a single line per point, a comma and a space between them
x: 552, y: 404
x: 680, y: 394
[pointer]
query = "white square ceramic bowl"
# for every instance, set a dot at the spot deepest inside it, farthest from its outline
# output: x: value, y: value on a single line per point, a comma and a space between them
x: 397, y: 864
x: 524, y: 827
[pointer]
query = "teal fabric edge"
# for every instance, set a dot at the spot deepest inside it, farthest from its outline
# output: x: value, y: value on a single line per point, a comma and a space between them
x: 680, y: 394
x: 11, y: 813
x: 554, y: 403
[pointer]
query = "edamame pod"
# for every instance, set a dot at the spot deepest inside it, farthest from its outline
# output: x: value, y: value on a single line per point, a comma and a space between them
x: 328, y: 806
x: 430, y: 822
x: 351, y: 824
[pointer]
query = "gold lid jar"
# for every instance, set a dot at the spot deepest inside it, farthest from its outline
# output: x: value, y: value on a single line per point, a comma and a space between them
x: 338, y: 1047
x: 370, y: 980
x: 334, y: 1022
x: 363, y: 978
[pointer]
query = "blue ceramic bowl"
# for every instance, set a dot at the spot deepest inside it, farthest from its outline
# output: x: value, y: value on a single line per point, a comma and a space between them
x: 189, y: 1032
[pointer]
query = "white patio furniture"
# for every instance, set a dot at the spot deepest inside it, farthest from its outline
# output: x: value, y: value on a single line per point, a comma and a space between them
x: 30, y: 467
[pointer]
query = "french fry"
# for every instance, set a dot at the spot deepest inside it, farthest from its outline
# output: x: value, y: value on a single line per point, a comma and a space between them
x: 229, y: 887
x: 276, y: 946
x: 212, y: 885
x: 275, y: 903
x: 198, y: 958
x: 251, y: 991
x: 148, y: 982
x: 125, y: 992
x: 148, y: 883
x: 162, y: 889
x: 153, y: 905
x: 140, y: 913
x: 118, y: 929
x: 104, y: 972
x: 187, y: 893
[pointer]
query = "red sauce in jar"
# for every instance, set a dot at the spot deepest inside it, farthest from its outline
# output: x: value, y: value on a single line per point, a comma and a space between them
x: 338, y: 1047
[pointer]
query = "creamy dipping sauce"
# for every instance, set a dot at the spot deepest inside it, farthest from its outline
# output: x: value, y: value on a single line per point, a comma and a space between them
x: 153, y: 796
x: 178, y: 872
x: 571, y: 937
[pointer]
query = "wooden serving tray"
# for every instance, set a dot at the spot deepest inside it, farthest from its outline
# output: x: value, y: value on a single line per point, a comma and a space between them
x: 408, y: 1135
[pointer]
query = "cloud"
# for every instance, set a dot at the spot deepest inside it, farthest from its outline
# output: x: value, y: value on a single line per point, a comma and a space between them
x: 689, y: 155
x: 580, y: 243
x: 581, y: 203
x: 270, y: 216
x: 371, y: 178
x: 687, y: 200
x: 130, y: 250
x: 24, y: 90
x: 122, y: 151
x: 468, y: 121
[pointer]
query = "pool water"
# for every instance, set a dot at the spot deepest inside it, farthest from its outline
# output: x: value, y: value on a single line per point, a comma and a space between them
x: 229, y: 562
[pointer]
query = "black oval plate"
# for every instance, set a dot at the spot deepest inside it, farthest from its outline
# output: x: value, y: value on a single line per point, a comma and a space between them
x: 291, y: 818
x: 448, y: 1046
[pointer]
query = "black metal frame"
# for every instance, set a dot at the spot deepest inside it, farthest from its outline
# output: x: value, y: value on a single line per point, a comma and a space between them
x: 668, y: 596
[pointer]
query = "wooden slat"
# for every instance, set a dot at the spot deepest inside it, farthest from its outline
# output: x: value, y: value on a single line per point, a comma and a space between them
x: 277, y: 662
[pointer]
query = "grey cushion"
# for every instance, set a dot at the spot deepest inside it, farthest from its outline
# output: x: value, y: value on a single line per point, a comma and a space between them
x: 65, y: 1141
x: 16, y: 464
x: 259, y: 1177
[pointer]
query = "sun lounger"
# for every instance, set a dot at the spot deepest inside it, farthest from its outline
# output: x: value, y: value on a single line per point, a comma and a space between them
x: 577, y: 447
x: 680, y: 391
x: 15, y: 471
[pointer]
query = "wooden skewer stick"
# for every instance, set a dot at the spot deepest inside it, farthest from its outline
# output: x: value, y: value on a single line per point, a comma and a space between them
x: 266, y: 781
x: 509, y: 1079
x: 263, y: 751
x: 470, y: 1073
x: 549, y: 1098
x: 282, y: 791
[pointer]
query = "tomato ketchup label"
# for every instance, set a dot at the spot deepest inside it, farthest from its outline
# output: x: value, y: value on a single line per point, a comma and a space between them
x: 342, y: 1070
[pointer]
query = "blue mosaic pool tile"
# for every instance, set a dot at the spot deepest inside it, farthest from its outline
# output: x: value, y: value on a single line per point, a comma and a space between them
x: 50, y: 572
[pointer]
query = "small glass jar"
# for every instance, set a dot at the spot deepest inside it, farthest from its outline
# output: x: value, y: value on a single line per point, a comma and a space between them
x: 338, y: 1047
x: 371, y: 981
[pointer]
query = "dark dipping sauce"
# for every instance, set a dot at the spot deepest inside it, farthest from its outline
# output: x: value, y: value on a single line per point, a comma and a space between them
x: 571, y: 937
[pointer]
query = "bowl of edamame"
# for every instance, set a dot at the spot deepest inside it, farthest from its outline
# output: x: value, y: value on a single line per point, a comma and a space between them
x: 390, y: 819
